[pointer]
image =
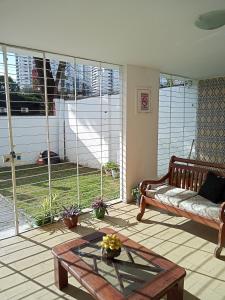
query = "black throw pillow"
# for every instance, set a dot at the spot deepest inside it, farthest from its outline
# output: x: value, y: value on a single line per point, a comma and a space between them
x: 213, y: 188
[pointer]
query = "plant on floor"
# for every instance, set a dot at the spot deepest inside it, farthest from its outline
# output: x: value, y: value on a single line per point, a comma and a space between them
x: 46, y: 212
x: 99, y: 208
x: 70, y: 215
x: 136, y: 194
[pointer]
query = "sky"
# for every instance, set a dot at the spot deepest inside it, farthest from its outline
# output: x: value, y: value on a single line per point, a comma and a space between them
x: 11, y: 65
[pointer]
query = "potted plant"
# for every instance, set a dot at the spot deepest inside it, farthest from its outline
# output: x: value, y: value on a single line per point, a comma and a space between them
x: 111, y: 246
x: 70, y: 216
x: 99, y: 208
x: 45, y: 214
x: 135, y: 192
x: 112, y: 168
x: 107, y: 168
x: 115, y: 171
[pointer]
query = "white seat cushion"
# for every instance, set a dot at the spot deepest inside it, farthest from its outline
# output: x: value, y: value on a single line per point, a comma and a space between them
x: 201, y: 206
x: 169, y: 194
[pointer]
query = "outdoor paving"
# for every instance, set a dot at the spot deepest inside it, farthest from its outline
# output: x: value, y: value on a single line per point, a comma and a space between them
x: 7, y: 219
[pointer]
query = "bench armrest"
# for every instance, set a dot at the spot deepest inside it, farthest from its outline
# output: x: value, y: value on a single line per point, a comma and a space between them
x: 143, y: 185
x: 222, y: 212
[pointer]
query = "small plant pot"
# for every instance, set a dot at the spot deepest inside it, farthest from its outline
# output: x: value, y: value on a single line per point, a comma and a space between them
x: 115, y: 173
x: 99, y: 213
x: 108, y: 253
x: 136, y: 195
x: 138, y: 199
x: 70, y: 222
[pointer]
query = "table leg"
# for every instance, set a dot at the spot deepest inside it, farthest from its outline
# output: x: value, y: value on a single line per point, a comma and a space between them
x: 61, y: 274
x: 176, y: 292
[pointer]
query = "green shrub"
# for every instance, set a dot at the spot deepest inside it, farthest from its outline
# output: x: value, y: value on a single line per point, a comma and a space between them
x: 111, y: 165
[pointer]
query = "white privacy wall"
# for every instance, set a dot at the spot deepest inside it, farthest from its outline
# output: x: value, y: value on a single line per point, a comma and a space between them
x: 30, y: 132
x: 29, y: 137
x: 177, y: 123
x: 95, y: 134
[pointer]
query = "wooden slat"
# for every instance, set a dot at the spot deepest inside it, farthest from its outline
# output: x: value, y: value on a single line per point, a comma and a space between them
x: 183, y: 179
x: 174, y: 177
x: 191, y: 180
x: 196, y: 181
x: 178, y: 178
x: 187, y: 179
x: 190, y: 177
x: 200, y: 180
x: 198, y: 162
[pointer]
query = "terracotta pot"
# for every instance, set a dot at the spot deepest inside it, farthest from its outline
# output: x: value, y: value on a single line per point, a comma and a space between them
x: 71, y: 222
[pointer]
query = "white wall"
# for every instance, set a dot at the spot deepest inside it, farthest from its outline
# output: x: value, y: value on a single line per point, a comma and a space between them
x: 140, y: 129
x: 29, y: 136
x: 87, y: 122
x: 177, y: 123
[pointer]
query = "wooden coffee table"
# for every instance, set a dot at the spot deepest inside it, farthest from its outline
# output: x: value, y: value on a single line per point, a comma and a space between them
x: 137, y: 274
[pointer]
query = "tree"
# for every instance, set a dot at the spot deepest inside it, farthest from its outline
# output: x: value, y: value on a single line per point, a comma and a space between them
x: 34, y: 102
x: 52, y: 84
x: 13, y: 86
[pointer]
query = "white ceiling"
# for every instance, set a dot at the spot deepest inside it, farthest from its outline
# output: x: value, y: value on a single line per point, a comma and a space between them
x: 155, y: 33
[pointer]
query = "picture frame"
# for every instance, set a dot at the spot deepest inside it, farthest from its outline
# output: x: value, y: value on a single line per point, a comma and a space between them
x: 143, y: 100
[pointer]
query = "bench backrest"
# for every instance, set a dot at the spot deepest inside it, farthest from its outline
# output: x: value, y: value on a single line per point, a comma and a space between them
x: 190, y: 174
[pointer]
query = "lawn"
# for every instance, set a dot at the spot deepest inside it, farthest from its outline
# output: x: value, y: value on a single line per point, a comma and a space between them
x: 32, y: 186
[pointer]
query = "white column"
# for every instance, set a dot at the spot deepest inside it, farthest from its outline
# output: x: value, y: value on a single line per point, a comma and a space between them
x: 140, y: 130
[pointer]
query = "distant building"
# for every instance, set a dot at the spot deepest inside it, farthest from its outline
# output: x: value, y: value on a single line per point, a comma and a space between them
x: 110, y: 83
x: 87, y: 78
x: 113, y: 81
x: 24, y: 66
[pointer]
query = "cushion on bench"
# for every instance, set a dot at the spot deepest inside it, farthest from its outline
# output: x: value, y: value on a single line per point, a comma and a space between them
x: 201, y: 206
x: 187, y: 200
x: 169, y: 194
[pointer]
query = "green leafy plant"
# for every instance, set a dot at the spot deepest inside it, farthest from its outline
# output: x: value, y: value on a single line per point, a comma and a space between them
x: 47, y: 211
x: 135, y: 192
x: 111, y: 165
x: 71, y: 211
x: 112, y: 169
x: 99, y: 208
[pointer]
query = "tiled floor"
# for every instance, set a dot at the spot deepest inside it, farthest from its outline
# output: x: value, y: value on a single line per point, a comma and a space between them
x: 26, y: 266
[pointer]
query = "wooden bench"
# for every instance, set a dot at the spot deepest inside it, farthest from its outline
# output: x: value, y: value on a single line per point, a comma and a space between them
x: 188, y: 174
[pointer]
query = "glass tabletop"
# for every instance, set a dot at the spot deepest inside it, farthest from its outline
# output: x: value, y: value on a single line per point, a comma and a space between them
x: 127, y: 272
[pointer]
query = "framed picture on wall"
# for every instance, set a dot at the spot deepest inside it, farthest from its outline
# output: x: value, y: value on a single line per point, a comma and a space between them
x: 143, y: 100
